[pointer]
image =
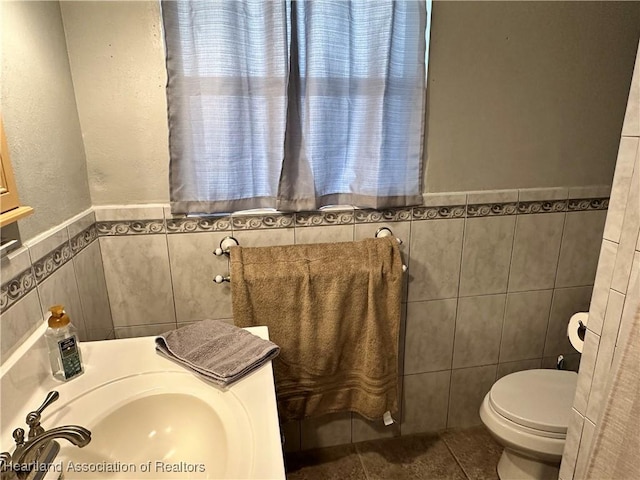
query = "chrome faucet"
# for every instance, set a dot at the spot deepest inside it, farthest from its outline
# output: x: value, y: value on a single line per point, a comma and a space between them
x: 40, y: 443
x: 27, y: 452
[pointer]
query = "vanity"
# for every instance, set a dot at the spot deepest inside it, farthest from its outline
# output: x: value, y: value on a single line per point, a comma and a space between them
x: 148, y: 416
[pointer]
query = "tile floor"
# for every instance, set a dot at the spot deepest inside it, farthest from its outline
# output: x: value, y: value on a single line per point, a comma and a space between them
x: 469, y: 454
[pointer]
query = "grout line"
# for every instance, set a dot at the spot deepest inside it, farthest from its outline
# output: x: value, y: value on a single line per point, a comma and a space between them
x: 173, y: 293
x: 455, y: 458
x: 555, y: 281
x: 106, y: 288
x: 564, y: 225
x: 506, y: 299
x: 364, y: 468
x: 455, y: 322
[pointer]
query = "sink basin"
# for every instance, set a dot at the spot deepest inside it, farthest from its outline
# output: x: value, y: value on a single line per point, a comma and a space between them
x: 164, y: 425
x: 149, y: 417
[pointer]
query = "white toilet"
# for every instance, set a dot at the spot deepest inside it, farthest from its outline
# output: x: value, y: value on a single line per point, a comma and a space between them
x: 528, y: 412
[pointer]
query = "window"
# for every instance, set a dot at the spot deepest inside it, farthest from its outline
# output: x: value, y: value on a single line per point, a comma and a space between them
x: 294, y: 104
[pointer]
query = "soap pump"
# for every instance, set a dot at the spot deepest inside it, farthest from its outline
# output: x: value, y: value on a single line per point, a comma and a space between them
x: 62, y: 341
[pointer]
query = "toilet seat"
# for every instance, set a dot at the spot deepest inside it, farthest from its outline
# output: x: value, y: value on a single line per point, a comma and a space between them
x: 539, y: 401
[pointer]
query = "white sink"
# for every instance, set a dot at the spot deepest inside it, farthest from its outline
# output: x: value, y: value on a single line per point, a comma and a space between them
x: 165, y: 418
x: 151, y: 418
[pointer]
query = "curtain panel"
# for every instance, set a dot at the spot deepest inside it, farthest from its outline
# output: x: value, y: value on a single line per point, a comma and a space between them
x: 294, y: 105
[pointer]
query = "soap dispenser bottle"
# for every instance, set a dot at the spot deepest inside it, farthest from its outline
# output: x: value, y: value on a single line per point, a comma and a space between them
x: 62, y: 341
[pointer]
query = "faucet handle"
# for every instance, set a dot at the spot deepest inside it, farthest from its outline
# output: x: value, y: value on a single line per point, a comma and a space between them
x: 33, y: 418
x: 18, y: 436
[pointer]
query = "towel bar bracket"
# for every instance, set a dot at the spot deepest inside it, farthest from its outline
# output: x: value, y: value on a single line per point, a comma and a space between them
x: 225, y: 244
x: 222, y: 279
x: 386, y: 232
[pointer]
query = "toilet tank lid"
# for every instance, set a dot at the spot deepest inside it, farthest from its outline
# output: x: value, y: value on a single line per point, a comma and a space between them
x: 539, y: 399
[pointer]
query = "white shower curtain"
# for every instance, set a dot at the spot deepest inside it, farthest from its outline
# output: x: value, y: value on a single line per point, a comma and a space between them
x: 615, y: 454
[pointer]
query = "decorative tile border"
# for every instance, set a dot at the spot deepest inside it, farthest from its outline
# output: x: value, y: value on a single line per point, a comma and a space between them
x: 44, y: 267
x: 436, y: 213
x: 83, y: 239
x: 551, y: 206
x: 23, y: 283
x: 584, y: 204
x: 492, y: 209
x: 368, y: 215
x: 130, y: 227
x: 47, y: 265
x: 16, y: 288
x: 321, y: 218
x: 201, y: 224
x: 259, y: 222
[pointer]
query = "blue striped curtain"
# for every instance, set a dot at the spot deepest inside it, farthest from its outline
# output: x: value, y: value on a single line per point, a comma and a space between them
x: 295, y: 104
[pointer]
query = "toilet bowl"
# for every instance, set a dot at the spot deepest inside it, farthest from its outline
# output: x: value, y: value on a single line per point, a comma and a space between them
x: 528, y: 412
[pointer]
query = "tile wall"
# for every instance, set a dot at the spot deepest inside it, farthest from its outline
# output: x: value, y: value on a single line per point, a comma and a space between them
x: 616, y: 293
x: 63, y: 265
x: 493, y: 279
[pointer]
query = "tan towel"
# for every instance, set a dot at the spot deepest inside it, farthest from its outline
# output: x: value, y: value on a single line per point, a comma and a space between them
x: 334, y: 310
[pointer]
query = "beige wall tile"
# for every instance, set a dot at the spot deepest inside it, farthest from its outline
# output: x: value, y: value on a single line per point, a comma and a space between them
x: 325, y: 431
x: 92, y: 289
x: 537, y: 194
x: 629, y: 234
x: 525, y: 325
x: 468, y: 389
x: 585, y: 375
x: 602, y: 284
x: 363, y: 430
x: 605, y: 355
x: 585, y: 448
x: 429, y: 334
x: 324, y: 234
x: 571, y: 445
x: 507, y: 368
x: 535, y: 251
x: 193, y: 267
x: 581, y: 242
x: 143, y: 330
x: 425, y: 402
x: 478, y: 327
x: 137, y: 273
x: 620, y: 188
x: 434, y: 267
x: 486, y: 255
x: 17, y: 323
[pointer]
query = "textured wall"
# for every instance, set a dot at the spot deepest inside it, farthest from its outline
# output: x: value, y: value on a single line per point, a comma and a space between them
x: 521, y: 94
x: 40, y: 117
x: 527, y: 94
x: 117, y: 62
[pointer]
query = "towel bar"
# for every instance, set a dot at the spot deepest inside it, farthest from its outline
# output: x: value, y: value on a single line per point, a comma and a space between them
x: 227, y: 242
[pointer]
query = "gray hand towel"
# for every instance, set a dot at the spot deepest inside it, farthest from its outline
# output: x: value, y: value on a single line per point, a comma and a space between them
x: 220, y: 352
